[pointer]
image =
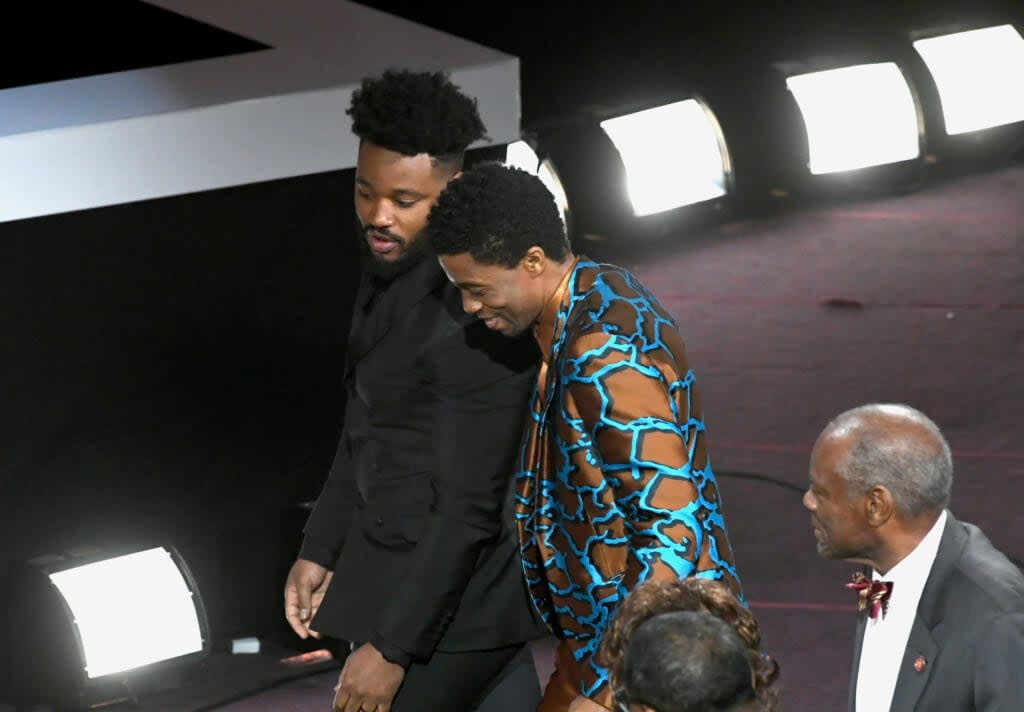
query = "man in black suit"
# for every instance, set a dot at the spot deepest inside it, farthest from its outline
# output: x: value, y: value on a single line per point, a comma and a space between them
x: 942, y: 621
x: 409, y: 552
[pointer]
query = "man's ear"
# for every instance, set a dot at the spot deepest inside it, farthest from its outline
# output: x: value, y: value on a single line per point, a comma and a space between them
x: 534, y: 261
x: 878, y: 505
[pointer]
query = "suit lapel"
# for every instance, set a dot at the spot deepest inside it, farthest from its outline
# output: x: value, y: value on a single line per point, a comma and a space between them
x: 363, y: 292
x: 916, y: 668
x: 926, y: 633
x: 858, y: 644
x: 411, y: 288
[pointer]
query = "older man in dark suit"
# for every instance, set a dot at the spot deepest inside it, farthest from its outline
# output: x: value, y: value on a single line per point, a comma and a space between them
x: 407, y: 554
x: 942, y: 610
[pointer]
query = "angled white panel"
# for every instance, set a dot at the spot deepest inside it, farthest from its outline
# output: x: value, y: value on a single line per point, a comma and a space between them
x: 979, y: 75
x: 214, y: 123
x: 857, y: 116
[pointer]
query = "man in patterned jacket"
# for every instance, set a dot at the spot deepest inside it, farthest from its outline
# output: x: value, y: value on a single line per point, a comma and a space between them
x: 614, y: 485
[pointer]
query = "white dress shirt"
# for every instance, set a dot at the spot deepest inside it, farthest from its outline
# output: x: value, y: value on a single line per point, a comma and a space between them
x: 885, y: 639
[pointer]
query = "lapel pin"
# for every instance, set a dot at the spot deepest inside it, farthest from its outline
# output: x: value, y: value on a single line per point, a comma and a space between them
x: 919, y: 663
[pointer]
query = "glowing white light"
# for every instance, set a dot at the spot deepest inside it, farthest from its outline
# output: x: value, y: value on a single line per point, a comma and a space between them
x: 979, y: 75
x: 857, y: 117
x: 131, y: 611
x: 520, y: 155
x: 672, y: 154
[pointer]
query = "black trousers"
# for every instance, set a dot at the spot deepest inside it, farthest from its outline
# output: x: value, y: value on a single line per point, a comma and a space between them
x: 499, y: 680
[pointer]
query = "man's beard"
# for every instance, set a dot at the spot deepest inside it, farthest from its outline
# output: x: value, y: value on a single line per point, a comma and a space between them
x: 416, y: 249
x: 826, y: 551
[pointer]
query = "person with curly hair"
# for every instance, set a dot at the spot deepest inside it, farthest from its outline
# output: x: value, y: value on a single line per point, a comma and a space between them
x: 404, y: 556
x: 655, y: 598
x: 614, y: 485
x: 686, y: 661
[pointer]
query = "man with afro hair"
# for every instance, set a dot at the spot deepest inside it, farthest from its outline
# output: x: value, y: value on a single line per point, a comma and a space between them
x: 405, y: 555
x: 613, y: 486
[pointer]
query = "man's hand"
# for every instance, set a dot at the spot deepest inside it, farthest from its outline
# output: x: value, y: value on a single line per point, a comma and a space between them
x: 303, y: 593
x: 367, y: 682
x: 585, y: 704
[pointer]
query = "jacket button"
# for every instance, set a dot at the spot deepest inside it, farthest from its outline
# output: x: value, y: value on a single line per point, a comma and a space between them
x: 379, y: 521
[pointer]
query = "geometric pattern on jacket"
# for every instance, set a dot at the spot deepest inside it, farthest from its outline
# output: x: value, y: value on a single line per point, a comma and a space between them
x: 614, y: 485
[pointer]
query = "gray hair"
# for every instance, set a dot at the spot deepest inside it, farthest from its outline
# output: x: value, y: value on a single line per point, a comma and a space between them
x: 916, y: 467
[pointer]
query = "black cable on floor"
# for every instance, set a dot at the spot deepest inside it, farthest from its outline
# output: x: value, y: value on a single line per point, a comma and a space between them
x: 756, y: 477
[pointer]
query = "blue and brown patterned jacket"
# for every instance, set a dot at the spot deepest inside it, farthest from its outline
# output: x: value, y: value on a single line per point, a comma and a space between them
x: 614, y: 485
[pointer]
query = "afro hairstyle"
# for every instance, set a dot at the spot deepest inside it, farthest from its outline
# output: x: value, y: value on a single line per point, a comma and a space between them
x: 415, y: 112
x: 496, y: 213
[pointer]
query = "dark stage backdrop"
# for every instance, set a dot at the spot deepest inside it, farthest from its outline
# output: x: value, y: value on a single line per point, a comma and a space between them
x: 171, y: 373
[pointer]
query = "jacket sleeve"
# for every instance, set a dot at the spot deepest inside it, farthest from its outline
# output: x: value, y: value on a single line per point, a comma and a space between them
x: 325, y: 529
x: 998, y: 684
x: 640, y: 415
x: 481, y: 384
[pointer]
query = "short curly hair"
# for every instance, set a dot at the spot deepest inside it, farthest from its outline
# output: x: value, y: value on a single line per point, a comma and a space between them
x: 496, y: 213
x: 416, y: 112
x: 652, y: 598
x: 690, y: 661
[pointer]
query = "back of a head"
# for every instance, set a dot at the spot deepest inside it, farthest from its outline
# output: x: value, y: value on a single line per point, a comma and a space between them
x: 687, y: 661
x: 655, y: 597
x: 416, y: 112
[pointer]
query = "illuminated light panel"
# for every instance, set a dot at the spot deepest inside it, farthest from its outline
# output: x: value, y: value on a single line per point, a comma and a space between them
x: 979, y: 75
x: 130, y: 611
x: 857, y: 117
x: 520, y: 155
x: 674, y: 155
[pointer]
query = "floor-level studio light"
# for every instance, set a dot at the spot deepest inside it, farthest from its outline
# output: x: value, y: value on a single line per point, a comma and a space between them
x: 674, y: 155
x: 521, y: 155
x: 128, y: 617
x: 979, y: 75
x: 152, y: 586
x: 857, y: 116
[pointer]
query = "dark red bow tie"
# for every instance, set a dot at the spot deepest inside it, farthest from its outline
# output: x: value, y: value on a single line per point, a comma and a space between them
x: 871, y: 593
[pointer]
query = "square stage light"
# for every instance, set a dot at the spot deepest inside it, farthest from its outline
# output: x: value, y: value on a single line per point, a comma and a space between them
x: 857, y: 116
x: 132, y: 611
x: 674, y: 155
x: 979, y: 75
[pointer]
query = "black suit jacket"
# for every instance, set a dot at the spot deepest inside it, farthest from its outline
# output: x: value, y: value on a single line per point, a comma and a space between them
x: 414, y: 518
x: 969, y: 632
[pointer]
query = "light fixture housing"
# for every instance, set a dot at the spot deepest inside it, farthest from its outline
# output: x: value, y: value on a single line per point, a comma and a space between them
x: 857, y: 116
x: 115, y: 622
x: 978, y: 74
x: 674, y: 155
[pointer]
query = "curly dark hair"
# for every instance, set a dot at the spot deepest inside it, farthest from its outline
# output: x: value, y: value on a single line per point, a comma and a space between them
x: 496, y: 213
x: 416, y: 112
x: 652, y: 598
x: 686, y: 661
